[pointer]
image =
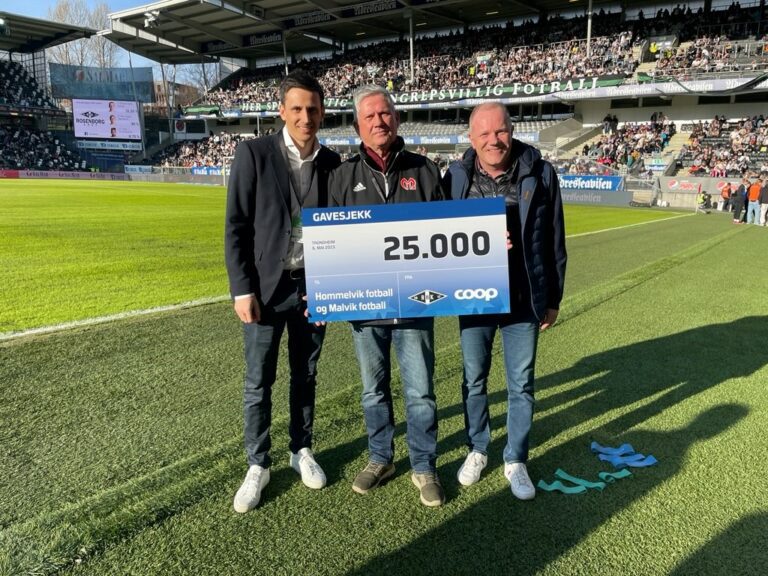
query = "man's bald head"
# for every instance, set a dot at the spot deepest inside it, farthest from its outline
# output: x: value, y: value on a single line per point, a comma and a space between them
x: 490, y: 133
x: 486, y: 106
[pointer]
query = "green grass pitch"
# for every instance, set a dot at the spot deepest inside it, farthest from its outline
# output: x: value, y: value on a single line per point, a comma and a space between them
x: 78, y: 250
x: 121, y: 443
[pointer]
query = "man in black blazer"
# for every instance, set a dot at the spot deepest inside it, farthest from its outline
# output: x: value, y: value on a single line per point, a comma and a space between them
x: 272, y: 178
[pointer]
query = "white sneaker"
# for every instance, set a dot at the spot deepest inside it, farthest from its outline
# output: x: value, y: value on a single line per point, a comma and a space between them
x: 521, y: 484
x: 249, y: 494
x: 311, y: 473
x: 469, y: 473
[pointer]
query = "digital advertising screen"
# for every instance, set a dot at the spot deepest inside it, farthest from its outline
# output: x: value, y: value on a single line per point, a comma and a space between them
x: 68, y: 81
x: 106, y: 119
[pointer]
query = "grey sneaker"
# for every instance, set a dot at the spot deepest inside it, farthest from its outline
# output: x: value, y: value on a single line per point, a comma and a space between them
x: 371, y: 476
x: 519, y: 481
x: 469, y: 473
x: 430, y: 490
x: 249, y: 494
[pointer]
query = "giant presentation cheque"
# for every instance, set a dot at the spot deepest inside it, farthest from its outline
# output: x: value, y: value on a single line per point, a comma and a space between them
x: 406, y: 260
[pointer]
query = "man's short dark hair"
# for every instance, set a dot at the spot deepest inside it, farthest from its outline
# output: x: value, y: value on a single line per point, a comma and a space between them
x: 300, y: 79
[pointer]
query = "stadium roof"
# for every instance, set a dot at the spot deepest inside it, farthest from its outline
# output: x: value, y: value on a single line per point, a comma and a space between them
x: 173, y: 30
x: 22, y: 34
x: 155, y: 46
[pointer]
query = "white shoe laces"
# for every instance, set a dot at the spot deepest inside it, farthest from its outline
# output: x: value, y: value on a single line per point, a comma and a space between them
x: 475, y: 462
x: 314, y: 467
x: 521, y: 478
x: 254, y: 478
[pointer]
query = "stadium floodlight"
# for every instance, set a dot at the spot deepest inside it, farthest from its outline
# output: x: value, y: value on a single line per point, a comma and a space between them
x: 5, y: 30
x: 151, y: 19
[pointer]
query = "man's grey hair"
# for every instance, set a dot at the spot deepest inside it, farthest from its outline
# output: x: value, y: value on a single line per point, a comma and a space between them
x: 490, y: 105
x: 363, y: 92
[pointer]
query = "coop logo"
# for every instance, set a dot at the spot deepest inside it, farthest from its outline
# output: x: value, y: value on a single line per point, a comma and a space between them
x: 486, y: 294
x: 427, y: 297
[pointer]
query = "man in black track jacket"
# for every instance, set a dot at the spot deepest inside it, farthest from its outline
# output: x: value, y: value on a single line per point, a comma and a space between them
x: 385, y: 173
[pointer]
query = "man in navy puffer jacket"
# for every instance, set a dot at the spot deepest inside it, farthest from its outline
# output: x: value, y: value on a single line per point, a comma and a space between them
x: 499, y: 165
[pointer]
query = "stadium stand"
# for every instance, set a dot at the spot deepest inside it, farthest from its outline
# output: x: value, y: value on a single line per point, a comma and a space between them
x: 733, y: 22
x: 581, y: 165
x: 726, y: 148
x: 508, y: 64
x: 713, y: 54
x: 25, y: 148
x: 18, y: 88
x: 631, y: 142
x: 525, y: 53
x: 534, y: 53
x: 210, y: 151
x: 435, y: 128
x: 528, y: 52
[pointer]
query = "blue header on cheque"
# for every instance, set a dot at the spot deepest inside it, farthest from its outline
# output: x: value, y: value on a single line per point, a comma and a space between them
x: 398, y: 212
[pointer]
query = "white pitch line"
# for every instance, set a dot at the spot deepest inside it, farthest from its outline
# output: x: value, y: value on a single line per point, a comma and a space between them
x: 112, y: 317
x: 4, y: 336
x: 627, y: 226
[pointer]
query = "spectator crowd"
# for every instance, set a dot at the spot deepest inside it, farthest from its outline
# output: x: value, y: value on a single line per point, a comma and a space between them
x: 626, y: 146
x: 210, y: 151
x: 527, y: 53
x: 726, y: 148
x: 530, y: 52
x: 709, y: 54
x: 18, y: 88
x: 31, y: 149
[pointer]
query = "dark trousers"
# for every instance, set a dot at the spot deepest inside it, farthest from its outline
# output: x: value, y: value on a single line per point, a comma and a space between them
x: 262, y: 345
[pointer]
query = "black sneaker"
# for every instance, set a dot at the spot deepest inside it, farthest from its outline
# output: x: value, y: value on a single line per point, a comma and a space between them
x: 430, y: 490
x: 371, y: 476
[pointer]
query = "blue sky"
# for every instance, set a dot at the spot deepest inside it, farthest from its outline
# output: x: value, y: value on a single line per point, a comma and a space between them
x: 39, y: 9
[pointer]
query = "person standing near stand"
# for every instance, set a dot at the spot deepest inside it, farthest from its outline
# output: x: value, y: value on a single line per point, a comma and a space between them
x: 272, y: 179
x: 499, y: 165
x: 385, y: 173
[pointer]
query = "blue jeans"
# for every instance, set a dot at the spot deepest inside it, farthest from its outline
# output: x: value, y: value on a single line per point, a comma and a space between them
x: 262, y: 345
x: 753, y: 213
x: 415, y: 350
x: 519, y: 340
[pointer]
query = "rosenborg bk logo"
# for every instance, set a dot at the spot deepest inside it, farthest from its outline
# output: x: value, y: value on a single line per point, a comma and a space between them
x: 427, y: 297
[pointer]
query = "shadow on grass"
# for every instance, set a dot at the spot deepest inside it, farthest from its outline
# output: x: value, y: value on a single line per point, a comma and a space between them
x: 501, y: 535
x: 334, y: 460
x: 739, y: 550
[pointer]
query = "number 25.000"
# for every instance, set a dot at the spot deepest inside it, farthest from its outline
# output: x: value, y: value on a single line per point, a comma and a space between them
x: 459, y: 244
